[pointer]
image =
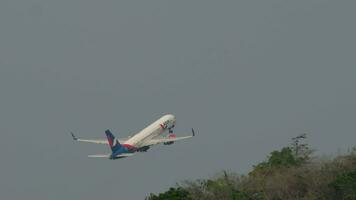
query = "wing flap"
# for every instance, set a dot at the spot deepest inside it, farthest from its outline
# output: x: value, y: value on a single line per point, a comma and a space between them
x: 163, y: 140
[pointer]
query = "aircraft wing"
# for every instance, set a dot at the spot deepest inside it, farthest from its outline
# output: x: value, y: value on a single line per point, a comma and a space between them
x: 99, y: 141
x: 163, y: 140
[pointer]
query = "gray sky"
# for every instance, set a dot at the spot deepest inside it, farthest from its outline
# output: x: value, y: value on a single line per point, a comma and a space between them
x: 248, y: 75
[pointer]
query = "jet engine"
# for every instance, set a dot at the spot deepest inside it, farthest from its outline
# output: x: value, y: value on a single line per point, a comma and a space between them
x: 143, y: 149
x: 170, y: 136
x: 168, y: 143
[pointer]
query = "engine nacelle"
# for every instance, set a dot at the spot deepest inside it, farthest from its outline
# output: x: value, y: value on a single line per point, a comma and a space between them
x: 143, y: 149
x: 170, y: 136
x: 168, y: 143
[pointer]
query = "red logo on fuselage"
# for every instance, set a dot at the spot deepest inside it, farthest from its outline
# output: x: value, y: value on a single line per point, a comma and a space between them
x: 164, y: 125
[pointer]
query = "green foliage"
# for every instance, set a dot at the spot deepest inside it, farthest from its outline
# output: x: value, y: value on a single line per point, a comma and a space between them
x: 224, y: 188
x: 301, y: 151
x: 295, y: 155
x: 172, y: 194
x: 282, y: 158
x: 345, y: 186
x: 287, y: 174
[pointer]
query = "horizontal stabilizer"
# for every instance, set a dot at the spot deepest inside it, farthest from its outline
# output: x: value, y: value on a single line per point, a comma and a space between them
x: 123, y: 155
x: 99, y: 156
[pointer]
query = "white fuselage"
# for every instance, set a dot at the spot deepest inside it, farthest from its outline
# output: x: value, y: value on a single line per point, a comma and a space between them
x: 155, y: 129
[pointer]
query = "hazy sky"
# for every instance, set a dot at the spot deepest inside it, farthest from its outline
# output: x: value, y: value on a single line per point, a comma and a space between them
x: 247, y: 75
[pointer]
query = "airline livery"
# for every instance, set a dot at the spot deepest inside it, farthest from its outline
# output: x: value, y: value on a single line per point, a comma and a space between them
x: 140, y: 142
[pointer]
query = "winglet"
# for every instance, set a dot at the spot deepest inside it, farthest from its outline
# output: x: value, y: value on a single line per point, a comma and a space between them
x: 73, y: 136
x: 193, y: 132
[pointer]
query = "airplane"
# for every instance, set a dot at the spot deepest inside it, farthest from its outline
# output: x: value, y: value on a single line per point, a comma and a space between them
x: 140, y: 142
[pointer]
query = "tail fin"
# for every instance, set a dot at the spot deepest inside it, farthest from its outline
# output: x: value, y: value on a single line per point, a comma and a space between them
x: 113, y: 143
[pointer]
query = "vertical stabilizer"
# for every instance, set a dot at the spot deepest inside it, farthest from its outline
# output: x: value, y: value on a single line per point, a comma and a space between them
x: 113, y: 142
